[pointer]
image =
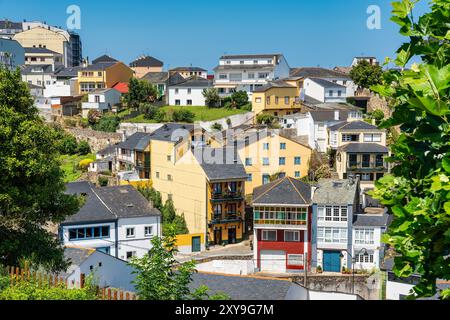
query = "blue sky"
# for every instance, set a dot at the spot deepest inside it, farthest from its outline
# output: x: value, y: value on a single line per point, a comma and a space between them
x: 198, y: 32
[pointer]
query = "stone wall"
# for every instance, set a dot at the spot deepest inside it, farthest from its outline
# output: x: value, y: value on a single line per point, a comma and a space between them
x: 378, y: 103
x: 97, y: 140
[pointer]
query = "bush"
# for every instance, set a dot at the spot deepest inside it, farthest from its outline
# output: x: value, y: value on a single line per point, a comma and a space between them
x: 212, y: 99
x: 247, y: 107
x: 70, y: 122
x: 107, y: 123
x: 240, y: 98
x: 160, y: 116
x: 225, y: 101
x: 83, y: 165
x: 103, y: 181
x: 84, y: 123
x: 83, y: 148
x: 148, y: 110
x: 183, y: 115
x: 67, y: 144
x: 216, y: 126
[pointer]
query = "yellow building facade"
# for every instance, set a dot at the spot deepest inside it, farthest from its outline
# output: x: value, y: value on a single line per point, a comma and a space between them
x: 103, y: 75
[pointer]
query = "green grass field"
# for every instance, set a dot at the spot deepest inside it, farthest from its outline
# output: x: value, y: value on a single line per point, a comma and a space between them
x: 69, y: 163
x: 202, y: 113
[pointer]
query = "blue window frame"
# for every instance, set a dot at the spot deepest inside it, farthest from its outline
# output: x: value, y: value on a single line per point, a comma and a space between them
x: 266, y: 146
x: 266, y: 162
x: 298, y: 160
x: 248, y: 162
x: 89, y: 233
x: 266, y: 178
x: 282, y: 146
x: 297, y: 174
x: 250, y: 177
x: 282, y: 161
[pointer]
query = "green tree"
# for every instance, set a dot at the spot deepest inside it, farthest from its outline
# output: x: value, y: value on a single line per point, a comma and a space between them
x: 31, y: 181
x: 107, y: 123
x: 418, y: 191
x: 168, y: 212
x: 160, y: 277
x: 366, y: 75
x: 83, y: 148
x: 212, y: 98
x: 140, y: 91
x: 149, y: 111
x: 239, y: 98
x: 152, y: 195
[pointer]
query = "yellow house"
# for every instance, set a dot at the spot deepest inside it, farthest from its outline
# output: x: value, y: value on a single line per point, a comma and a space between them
x: 278, y: 98
x: 103, y: 75
x: 266, y: 153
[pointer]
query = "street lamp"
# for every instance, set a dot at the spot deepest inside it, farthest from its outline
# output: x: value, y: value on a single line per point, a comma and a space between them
x: 353, y: 264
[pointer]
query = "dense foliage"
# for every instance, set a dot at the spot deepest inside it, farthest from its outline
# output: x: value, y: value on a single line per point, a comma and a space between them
x: 183, y: 116
x: 140, y: 91
x: 418, y: 191
x: 212, y: 98
x: 366, y: 75
x: 160, y: 277
x: 107, y: 123
x: 31, y: 181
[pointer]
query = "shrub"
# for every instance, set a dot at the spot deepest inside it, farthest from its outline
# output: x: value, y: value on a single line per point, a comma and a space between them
x: 148, y: 110
x: 183, y: 115
x: 103, y: 181
x: 83, y: 148
x: 67, y: 144
x: 240, y: 98
x: 228, y: 122
x: 70, y: 122
x: 107, y: 123
x: 216, y: 126
x: 247, y: 107
x: 225, y: 101
x: 93, y: 117
x: 84, y: 123
x: 160, y: 116
x: 84, y: 164
x: 212, y: 99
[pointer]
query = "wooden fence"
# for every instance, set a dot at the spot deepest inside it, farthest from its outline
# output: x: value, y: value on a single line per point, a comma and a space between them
x: 18, y: 275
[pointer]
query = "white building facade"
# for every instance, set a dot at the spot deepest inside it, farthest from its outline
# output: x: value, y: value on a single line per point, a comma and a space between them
x: 101, y: 100
x: 189, y: 92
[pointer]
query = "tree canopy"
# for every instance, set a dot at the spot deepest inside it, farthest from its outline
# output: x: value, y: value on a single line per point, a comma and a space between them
x: 417, y: 192
x: 31, y: 181
x: 140, y: 91
x: 366, y: 75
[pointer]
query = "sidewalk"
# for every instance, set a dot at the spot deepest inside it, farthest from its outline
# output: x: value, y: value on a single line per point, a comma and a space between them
x: 229, y: 251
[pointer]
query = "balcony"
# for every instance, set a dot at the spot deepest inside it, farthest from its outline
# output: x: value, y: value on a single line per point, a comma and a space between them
x: 217, y: 197
x: 142, y: 164
x: 226, y: 218
x: 280, y: 223
x: 367, y: 166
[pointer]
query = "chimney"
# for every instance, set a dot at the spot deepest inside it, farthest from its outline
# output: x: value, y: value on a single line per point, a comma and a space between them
x: 336, y: 115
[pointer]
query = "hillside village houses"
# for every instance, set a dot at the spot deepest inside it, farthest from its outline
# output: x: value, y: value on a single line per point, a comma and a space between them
x: 101, y: 100
x: 146, y: 64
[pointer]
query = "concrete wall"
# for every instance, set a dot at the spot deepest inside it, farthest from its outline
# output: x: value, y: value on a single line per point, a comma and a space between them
x: 235, y: 267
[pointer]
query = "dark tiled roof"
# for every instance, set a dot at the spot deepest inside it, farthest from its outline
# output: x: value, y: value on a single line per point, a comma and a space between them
x: 146, y: 61
x: 104, y: 58
x: 76, y: 256
x: 39, y: 50
x: 175, y: 78
x: 156, y: 77
x: 331, y: 191
x: 69, y: 72
x: 193, y: 82
x: 364, y: 147
x: 44, y: 68
x: 6, y: 24
x: 252, y: 56
x: 353, y: 125
x: 138, y: 141
x: 307, y: 72
x: 98, y: 66
x: 188, y: 69
x: 371, y: 220
x: 219, y: 164
x: 326, y: 83
x: 283, y: 191
x: 109, y: 150
x: 108, y: 203
x: 172, y: 132
x: 325, y: 115
x: 243, y: 288
x: 274, y: 84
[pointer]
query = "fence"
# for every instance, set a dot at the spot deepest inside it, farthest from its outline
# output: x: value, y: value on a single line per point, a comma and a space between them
x: 18, y: 275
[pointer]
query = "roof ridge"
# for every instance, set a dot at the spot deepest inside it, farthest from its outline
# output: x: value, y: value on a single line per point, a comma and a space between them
x: 274, y: 185
x: 289, y: 178
x: 103, y: 202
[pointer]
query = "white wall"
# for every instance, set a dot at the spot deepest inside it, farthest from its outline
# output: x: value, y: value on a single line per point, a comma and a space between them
x: 314, y: 90
x: 235, y: 267
x: 39, y: 79
x: 61, y: 89
x: 196, y: 96
x: 395, y: 289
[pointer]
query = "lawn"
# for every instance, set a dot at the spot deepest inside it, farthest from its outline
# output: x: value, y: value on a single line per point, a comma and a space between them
x: 69, y: 163
x: 202, y: 113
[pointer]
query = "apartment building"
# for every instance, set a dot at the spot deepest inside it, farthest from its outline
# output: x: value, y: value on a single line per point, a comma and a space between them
x: 144, y: 65
x: 248, y: 72
x: 133, y: 154
x: 35, y: 56
x: 9, y: 28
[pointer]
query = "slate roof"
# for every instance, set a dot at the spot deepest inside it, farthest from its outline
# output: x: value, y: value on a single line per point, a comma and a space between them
x: 193, y: 82
x: 288, y: 191
x: 326, y: 83
x: 317, y: 72
x: 188, y: 69
x: 146, y: 61
x: 69, y: 72
x: 77, y: 256
x: 364, y: 147
x: 6, y: 24
x: 336, y: 192
x: 252, y: 56
x: 156, y: 77
x: 172, y: 132
x: 45, y: 68
x: 353, y: 125
x: 274, y: 84
x: 138, y: 141
x: 371, y: 220
x: 243, y: 288
x: 104, y: 58
x: 218, y: 163
x: 328, y: 115
x: 108, y: 203
x: 99, y: 66
x: 39, y: 50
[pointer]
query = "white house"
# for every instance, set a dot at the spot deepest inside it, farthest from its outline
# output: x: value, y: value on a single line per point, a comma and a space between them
x: 101, y: 100
x: 249, y: 71
x: 188, y: 92
x: 40, y: 55
x: 12, y: 54
x: 323, y: 90
x: 108, y: 271
x: 115, y: 220
x: 62, y: 88
x: 372, y: 60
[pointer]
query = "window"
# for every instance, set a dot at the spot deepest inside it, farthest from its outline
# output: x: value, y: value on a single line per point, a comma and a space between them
x: 269, y: 61
x: 339, y: 93
x: 255, y: 61
x: 170, y: 197
x: 189, y: 91
x: 241, y: 62
x: 372, y: 137
x: 331, y: 235
x: 344, y: 82
x: 176, y: 91
x: 297, y: 174
x: 268, y: 100
x: 292, y: 236
x: 148, y: 231
x: 286, y: 100
x: 367, y: 177
x: 257, y: 100
x: 99, y: 74
x: 228, y: 62
x: 266, y: 162
x: 169, y: 158
x: 249, y: 177
x: 169, y: 177
x: 330, y: 93
x: 295, y: 260
x: 263, y: 75
x: 97, y: 99
x: 276, y: 100
x: 364, y: 236
x: 298, y: 161
x: 223, y: 76
x: 350, y: 137
x: 189, y: 102
x: 89, y: 233
x: 177, y: 102
x: 282, y: 161
x: 251, y: 76
x: 282, y: 146
x: 265, y: 146
x: 130, y: 254
x: 248, y: 162
x: 104, y: 250
x: 130, y: 233
x: 332, y: 213
x: 266, y: 178
x: 269, y: 235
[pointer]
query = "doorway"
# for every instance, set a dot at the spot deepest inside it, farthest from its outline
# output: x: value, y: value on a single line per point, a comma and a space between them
x: 232, y: 235
x: 218, y: 236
